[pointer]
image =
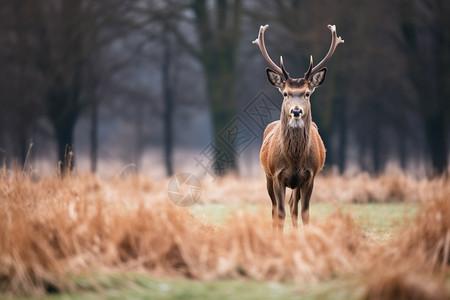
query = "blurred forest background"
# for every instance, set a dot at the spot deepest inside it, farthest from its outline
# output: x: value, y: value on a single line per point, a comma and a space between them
x: 169, y: 86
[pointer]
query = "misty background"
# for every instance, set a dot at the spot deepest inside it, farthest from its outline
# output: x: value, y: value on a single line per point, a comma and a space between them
x: 161, y: 87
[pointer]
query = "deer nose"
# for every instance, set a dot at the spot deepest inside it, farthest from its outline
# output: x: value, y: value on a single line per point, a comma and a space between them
x: 296, y: 112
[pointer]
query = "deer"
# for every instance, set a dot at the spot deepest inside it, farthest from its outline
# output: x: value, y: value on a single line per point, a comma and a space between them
x: 292, y: 151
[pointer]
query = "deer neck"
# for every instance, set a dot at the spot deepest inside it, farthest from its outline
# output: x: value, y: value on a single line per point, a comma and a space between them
x: 295, y: 139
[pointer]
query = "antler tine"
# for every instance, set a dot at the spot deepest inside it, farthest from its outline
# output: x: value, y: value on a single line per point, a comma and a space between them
x: 335, y: 40
x: 308, y: 73
x: 260, y: 42
x: 285, y: 73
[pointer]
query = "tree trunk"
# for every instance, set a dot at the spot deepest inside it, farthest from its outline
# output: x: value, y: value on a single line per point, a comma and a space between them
x: 441, y: 121
x: 437, y: 143
x: 342, y: 135
x: 376, y: 150
x: 94, y: 136
x: 219, y: 40
x: 222, y: 98
x: 168, y: 107
x: 402, y: 150
x: 23, y: 149
x: 139, y: 143
x: 64, y: 139
x: 435, y: 110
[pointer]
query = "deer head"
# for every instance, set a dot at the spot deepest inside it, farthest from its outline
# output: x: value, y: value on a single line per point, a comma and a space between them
x: 296, y: 106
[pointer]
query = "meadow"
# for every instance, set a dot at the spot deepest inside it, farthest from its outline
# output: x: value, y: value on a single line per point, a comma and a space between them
x: 82, y: 237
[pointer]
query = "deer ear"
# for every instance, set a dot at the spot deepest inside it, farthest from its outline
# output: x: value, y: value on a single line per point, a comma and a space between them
x: 318, y: 78
x: 275, y: 78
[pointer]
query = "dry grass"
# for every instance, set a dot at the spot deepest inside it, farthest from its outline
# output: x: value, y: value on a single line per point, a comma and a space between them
x: 54, y: 228
x: 414, y: 265
x: 331, y: 188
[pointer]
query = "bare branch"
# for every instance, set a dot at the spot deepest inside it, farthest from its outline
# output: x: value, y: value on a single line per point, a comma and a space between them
x: 181, y: 38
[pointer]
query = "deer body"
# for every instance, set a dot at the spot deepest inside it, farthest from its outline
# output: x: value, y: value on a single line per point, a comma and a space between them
x: 292, y: 153
x: 305, y: 159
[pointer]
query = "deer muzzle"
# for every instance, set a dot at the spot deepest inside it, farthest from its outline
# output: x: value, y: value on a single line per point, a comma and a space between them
x: 296, y: 112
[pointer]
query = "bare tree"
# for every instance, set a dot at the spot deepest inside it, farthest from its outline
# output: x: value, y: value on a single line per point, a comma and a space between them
x: 168, y: 104
x: 20, y: 97
x: 426, y: 44
x: 57, y: 40
x: 216, y: 25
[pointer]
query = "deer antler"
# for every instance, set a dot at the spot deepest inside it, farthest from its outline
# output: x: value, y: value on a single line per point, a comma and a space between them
x: 335, y: 40
x: 260, y: 42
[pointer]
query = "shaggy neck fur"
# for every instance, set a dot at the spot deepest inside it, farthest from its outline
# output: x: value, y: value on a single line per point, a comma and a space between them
x: 295, y: 140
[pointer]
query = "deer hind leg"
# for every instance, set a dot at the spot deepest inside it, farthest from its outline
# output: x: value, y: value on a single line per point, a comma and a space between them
x: 274, y: 201
x: 306, y: 196
x: 293, y: 203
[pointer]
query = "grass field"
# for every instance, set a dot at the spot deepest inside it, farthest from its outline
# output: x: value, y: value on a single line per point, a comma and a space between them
x: 138, y: 286
x: 379, y: 221
x: 81, y: 237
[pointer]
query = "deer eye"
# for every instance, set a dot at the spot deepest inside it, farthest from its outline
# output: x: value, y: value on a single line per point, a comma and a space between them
x: 307, y: 95
x: 285, y: 94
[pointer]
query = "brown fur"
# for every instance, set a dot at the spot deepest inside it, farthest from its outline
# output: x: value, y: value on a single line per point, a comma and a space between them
x: 292, y: 152
x: 292, y: 157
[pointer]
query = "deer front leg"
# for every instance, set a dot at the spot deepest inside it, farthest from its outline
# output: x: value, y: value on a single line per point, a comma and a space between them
x: 279, y: 191
x: 270, y: 191
x: 306, y: 196
x: 293, y: 203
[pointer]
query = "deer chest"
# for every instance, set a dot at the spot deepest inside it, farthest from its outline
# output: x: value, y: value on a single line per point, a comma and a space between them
x: 295, y: 178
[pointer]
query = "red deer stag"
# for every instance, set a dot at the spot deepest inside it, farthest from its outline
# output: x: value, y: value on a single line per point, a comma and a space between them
x: 292, y: 152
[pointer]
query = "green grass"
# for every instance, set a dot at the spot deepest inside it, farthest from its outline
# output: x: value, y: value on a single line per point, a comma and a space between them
x: 381, y: 220
x: 378, y: 221
x: 136, y: 286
